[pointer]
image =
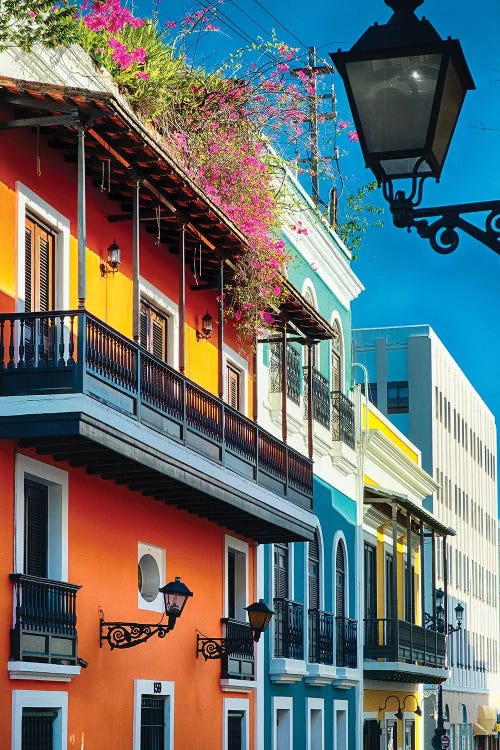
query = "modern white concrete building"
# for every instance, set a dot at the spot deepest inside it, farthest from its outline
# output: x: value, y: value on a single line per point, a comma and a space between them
x: 415, y: 381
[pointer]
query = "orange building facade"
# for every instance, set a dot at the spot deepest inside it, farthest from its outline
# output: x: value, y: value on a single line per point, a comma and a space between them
x: 130, y: 454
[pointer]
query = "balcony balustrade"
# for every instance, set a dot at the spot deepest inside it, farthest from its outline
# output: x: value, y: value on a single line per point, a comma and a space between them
x: 241, y: 664
x: 398, y: 640
x: 343, y: 424
x: 320, y: 637
x: 321, y: 408
x: 74, y: 352
x: 288, y: 629
x: 45, y: 621
x: 293, y: 387
x: 347, y: 642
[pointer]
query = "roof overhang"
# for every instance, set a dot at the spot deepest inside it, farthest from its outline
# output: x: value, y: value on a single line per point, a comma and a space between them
x: 380, y: 496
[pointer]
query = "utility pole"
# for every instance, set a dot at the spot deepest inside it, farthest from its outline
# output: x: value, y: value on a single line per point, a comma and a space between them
x: 312, y: 71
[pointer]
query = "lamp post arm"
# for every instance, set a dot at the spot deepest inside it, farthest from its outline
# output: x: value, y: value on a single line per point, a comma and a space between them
x: 442, y: 233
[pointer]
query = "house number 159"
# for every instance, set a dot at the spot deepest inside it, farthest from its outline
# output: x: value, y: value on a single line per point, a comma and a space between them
x: 156, y: 688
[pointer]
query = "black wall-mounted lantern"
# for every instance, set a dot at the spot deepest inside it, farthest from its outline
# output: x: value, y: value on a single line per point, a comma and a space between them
x: 207, y: 325
x: 128, y: 634
x: 113, y: 261
x: 406, y: 87
x: 259, y: 616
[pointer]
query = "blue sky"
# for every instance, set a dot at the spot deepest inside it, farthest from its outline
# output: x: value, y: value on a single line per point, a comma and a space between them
x: 406, y: 281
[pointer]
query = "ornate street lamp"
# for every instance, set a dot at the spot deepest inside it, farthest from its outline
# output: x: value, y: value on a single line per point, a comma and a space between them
x: 406, y: 87
x: 128, y: 634
x: 443, y: 627
x: 259, y: 616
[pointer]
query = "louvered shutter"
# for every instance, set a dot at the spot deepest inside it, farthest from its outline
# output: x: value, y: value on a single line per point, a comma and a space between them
x: 313, y: 573
x: 143, y: 324
x: 281, y: 571
x: 158, y: 337
x: 35, y: 529
x: 340, y: 581
x: 233, y: 387
x: 29, y: 239
x: 45, y: 270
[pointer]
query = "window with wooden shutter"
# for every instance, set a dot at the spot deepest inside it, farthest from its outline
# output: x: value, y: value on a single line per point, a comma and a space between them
x: 36, y: 502
x: 233, y: 387
x: 235, y: 730
x: 152, y: 722
x: 336, y: 359
x: 340, y: 581
x: 281, y: 571
x: 39, y: 290
x: 313, y: 573
x: 154, y: 331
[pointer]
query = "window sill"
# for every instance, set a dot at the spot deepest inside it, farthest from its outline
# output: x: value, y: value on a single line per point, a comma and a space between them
x: 287, y: 670
x: 229, y: 685
x: 30, y: 670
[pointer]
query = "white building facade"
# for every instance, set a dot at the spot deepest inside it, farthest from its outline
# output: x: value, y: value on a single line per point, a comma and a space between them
x: 415, y: 381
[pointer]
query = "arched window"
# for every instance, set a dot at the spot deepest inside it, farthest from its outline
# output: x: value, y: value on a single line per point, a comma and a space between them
x: 340, y: 581
x: 336, y: 358
x: 313, y: 572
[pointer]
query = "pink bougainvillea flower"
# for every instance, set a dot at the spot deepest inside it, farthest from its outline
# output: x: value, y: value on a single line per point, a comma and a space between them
x: 343, y: 124
x: 170, y: 25
x: 353, y: 136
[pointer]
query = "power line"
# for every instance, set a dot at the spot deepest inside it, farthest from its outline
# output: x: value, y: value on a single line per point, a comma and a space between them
x: 302, y: 44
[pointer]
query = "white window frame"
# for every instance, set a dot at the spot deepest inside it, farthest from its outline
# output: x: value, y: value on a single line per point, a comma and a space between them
x: 337, y: 319
x: 163, y: 689
x: 242, y: 705
x: 340, y: 707
x: 282, y: 703
x: 338, y: 539
x: 170, y: 310
x: 57, y: 482
x: 315, y: 704
x: 240, y: 365
x: 56, y: 699
x: 159, y: 554
x: 231, y: 542
x: 29, y: 202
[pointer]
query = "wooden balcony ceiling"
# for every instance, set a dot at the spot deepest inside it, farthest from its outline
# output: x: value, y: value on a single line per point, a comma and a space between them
x: 98, y: 460
x: 300, y: 314
x: 385, y: 499
x: 114, y: 135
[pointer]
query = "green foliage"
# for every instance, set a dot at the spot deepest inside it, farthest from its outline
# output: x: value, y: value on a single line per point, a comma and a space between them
x: 41, y: 22
x: 358, y: 217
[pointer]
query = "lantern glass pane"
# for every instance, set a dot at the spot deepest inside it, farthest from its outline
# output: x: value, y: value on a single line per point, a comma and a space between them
x: 451, y: 103
x: 174, y: 603
x: 394, y: 98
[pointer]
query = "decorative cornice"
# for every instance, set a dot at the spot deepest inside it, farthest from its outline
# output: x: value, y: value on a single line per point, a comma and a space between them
x: 388, y: 457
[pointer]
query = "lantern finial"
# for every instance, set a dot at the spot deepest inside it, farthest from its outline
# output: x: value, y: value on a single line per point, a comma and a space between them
x: 408, y: 6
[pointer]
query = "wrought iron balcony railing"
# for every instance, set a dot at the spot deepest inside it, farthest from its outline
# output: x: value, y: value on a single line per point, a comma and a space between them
x: 346, y: 642
x: 343, y: 424
x: 292, y: 372
x: 45, y: 621
x: 320, y: 397
x: 397, y: 640
x: 241, y: 664
x: 74, y: 352
x: 320, y: 637
x: 288, y: 629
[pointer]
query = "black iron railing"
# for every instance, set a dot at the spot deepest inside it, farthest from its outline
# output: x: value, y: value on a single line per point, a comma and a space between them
x: 343, y: 425
x: 45, y: 620
x: 398, y: 640
x: 241, y: 664
x: 320, y: 397
x: 292, y: 372
x: 288, y: 629
x: 73, y: 351
x: 346, y: 642
x: 320, y: 637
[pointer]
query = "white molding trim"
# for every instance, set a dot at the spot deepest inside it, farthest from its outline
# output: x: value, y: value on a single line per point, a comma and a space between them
x: 282, y: 703
x: 339, y: 707
x: 236, y: 704
x: 162, y: 689
x: 57, y: 481
x: 315, y: 704
x: 231, y: 542
x: 28, y: 670
x: 27, y: 200
x: 54, y: 699
x: 159, y: 555
x: 171, y: 311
